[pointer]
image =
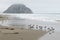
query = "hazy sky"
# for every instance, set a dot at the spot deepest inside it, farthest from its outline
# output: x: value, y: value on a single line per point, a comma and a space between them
x: 37, y: 6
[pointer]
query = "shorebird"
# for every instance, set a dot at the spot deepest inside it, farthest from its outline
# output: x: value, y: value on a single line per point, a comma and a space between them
x: 49, y: 30
x: 52, y: 29
x: 40, y: 27
x: 31, y: 26
x: 36, y: 26
x: 45, y: 28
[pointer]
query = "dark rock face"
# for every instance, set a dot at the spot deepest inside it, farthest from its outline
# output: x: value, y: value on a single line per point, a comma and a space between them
x: 18, y: 8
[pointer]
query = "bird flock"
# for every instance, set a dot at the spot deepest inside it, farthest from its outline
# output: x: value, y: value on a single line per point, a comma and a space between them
x: 45, y: 28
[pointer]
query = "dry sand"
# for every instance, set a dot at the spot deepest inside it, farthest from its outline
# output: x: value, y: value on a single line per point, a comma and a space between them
x: 6, y: 33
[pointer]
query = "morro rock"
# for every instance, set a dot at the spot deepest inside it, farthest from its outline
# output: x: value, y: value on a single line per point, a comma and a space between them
x: 18, y: 8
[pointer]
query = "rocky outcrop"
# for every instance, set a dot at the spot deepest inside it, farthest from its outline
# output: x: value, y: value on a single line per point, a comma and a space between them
x: 18, y: 8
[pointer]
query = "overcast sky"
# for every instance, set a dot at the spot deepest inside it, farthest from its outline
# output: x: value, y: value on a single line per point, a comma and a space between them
x: 37, y: 6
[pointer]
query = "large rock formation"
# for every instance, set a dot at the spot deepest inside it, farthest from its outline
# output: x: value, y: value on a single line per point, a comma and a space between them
x: 18, y: 8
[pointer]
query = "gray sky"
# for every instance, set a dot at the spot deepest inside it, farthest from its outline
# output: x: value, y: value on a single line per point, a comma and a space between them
x: 37, y: 6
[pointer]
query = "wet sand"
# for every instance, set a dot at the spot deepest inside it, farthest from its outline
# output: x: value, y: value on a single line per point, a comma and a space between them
x: 53, y: 36
x: 6, y: 33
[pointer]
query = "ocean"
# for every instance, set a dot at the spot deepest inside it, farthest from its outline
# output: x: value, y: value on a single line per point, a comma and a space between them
x: 38, y: 16
x: 41, y: 16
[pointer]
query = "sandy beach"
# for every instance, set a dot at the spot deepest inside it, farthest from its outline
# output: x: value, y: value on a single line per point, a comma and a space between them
x: 20, y: 34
